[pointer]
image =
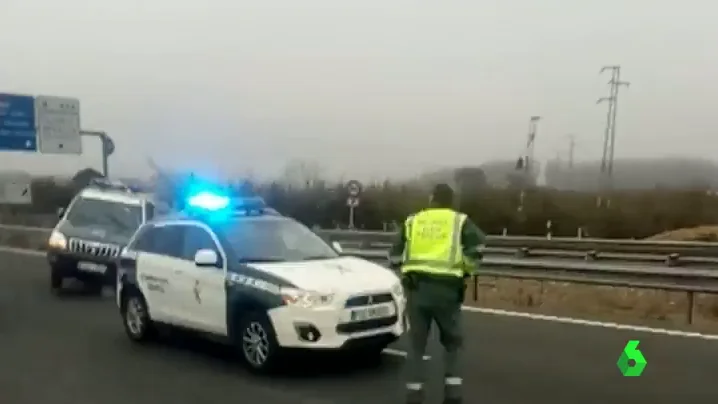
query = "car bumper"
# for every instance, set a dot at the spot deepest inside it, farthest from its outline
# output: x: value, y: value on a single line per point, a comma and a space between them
x: 67, y: 265
x: 320, y: 329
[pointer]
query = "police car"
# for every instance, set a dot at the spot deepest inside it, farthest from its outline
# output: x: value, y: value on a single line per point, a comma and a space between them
x: 96, y: 225
x: 236, y: 269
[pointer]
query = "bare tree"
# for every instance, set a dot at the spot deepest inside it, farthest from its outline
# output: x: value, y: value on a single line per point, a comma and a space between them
x: 301, y: 173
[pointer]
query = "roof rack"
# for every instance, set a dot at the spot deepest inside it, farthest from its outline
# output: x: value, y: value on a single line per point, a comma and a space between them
x: 105, y: 184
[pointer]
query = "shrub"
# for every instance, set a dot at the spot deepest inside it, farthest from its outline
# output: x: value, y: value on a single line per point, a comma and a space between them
x: 631, y: 214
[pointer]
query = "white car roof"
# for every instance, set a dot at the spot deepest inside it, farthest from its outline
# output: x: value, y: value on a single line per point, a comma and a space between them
x: 113, y: 196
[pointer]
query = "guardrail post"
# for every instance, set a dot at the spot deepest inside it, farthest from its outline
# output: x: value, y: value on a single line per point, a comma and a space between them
x: 476, y: 288
x: 672, y: 259
x: 691, y: 306
x: 548, y: 230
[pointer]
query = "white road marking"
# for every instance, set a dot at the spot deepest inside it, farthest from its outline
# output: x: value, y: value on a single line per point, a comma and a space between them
x: 21, y: 251
x: 506, y: 313
x: 590, y: 323
x: 403, y: 354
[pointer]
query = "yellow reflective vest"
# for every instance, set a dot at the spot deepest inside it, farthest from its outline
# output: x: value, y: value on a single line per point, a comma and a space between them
x: 433, y: 243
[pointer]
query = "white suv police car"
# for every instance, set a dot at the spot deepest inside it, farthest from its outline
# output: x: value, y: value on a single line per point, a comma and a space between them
x: 238, y: 270
x: 96, y: 225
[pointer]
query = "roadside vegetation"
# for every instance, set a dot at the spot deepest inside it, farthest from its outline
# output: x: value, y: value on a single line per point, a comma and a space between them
x: 631, y: 214
x: 674, y: 215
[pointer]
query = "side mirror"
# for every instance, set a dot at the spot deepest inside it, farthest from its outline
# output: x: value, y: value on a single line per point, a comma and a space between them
x: 60, y: 212
x: 206, y: 258
x: 337, y: 247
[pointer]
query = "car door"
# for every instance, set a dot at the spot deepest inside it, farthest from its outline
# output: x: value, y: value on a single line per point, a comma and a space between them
x: 162, y: 273
x: 207, y: 305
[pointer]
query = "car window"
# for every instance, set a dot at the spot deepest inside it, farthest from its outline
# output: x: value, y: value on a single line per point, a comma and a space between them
x: 162, y: 240
x: 195, y: 239
x: 276, y: 240
x: 141, y: 240
x: 118, y: 218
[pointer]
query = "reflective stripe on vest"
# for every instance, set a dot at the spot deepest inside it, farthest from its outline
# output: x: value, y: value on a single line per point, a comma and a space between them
x: 433, y: 243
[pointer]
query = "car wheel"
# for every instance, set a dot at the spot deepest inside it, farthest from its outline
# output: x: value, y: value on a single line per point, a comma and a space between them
x: 257, y: 343
x: 56, y: 281
x: 136, y: 319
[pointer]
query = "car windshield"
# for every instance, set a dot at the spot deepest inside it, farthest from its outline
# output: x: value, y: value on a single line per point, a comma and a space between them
x: 275, y: 240
x: 119, y: 217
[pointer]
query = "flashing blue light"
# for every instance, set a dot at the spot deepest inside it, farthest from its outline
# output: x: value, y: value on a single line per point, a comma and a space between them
x: 208, y: 201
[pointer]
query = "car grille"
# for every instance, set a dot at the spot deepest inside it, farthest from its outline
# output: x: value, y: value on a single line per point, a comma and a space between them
x: 93, y: 248
x: 368, y: 300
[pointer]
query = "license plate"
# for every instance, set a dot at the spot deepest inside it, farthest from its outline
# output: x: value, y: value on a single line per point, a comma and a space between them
x: 91, y: 267
x: 372, y: 313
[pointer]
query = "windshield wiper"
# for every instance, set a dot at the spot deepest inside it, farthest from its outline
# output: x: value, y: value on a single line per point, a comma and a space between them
x: 260, y: 260
x: 317, y: 257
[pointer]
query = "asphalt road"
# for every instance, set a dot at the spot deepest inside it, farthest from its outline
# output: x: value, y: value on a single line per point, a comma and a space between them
x: 73, y: 351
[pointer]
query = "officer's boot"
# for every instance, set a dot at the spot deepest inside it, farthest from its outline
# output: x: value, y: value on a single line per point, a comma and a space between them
x: 415, y: 396
x: 452, y: 393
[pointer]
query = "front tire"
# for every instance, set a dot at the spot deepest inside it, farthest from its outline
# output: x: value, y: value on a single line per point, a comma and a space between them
x: 136, y: 319
x: 257, y: 343
x: 56, y: 280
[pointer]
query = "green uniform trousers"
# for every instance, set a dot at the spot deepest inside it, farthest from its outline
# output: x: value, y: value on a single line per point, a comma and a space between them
x: 429, y: 302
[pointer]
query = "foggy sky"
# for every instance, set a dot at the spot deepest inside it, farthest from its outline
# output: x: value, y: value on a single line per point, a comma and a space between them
x: 366, y: 89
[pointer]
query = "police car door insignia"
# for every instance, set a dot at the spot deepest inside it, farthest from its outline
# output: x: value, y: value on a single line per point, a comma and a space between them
x: 196, y: 292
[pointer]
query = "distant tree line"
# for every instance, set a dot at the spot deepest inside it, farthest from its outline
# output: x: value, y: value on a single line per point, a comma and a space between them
x: 631, y: 214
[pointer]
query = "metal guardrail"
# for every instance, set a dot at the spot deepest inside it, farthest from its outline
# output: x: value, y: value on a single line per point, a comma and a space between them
x: 669, y: 253
x: 552, y: 266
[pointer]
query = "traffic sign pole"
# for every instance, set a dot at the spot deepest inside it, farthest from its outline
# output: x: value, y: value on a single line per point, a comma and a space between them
x: 108, y: 147
x: 354, y: 189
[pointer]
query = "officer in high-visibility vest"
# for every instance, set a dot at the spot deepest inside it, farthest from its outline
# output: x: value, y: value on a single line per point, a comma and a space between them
x: 437, y: 249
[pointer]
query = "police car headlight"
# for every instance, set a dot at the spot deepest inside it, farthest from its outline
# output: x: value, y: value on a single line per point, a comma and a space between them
x: 57, y: 241
x: 305, y: 298
x: 397, y: 290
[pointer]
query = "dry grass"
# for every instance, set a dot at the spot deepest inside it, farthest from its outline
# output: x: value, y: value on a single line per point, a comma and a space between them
x: 603, y: 303
x: 700, y: 233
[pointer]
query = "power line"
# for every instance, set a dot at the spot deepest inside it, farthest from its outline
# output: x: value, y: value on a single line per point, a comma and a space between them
x: 530, y: 141
x: 526, y: 163
x: 609, y: 136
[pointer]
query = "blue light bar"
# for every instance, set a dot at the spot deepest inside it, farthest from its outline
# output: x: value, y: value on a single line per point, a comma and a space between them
x: 208, y: 201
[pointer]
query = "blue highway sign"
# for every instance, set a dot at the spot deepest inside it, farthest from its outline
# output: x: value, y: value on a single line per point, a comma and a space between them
x: 17, y: 123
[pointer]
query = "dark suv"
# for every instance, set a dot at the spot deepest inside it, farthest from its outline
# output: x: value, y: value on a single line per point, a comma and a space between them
x: 91, y: 232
